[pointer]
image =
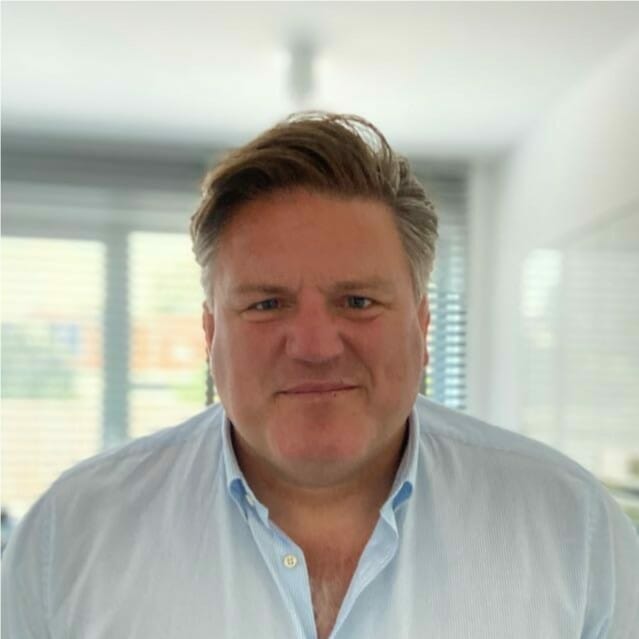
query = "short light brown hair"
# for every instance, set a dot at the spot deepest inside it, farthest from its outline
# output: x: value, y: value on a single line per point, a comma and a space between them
x: 340, y: 155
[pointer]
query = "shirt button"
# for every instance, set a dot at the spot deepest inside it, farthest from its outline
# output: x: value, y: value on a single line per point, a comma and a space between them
x: 290, y: 561
x: 250, y: 500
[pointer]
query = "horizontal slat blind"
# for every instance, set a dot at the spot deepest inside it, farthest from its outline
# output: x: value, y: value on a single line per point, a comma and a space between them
x: 167, y: 363
x: 581, y: 346
x: 52, y: 368
x: 446, y: 372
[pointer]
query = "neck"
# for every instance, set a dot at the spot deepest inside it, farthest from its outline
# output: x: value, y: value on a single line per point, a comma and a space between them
x: 307, y: 511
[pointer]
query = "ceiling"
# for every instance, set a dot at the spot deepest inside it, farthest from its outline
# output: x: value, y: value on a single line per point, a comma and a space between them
x: 449, y: 79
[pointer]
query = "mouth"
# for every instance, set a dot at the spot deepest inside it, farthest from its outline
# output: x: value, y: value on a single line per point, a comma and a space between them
x: 316, y: 388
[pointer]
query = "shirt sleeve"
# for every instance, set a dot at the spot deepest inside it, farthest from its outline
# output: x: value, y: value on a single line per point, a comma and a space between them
x: 25, y: 576
x: 612, y: 607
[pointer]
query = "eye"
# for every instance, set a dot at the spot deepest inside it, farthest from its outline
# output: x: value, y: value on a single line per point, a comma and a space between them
x: 358, y: 302
x: 266, y: 305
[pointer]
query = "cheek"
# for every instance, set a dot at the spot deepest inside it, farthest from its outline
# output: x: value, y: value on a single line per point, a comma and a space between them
x: 239, y: 358
x: 401, y: 352
x: 223, y: 359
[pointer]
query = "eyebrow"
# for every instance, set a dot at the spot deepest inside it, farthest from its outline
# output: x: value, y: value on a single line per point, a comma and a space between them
x: 264, y: 288
x: 371, y: 284
x: 261, y: 288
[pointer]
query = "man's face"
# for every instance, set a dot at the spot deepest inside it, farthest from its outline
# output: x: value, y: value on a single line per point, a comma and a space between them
x: 316, y: 340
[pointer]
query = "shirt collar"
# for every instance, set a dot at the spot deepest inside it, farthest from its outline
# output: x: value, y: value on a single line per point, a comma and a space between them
x: 236, y: 484
x: 404, y: 482
x: 401, y: 491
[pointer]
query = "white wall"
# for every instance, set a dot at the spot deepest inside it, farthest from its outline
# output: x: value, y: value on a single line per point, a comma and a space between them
x: 576, y: 166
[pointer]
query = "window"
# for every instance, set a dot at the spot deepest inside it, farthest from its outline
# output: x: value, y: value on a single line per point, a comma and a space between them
x: 167, y: 362
x: 581, y: 347
x: 52, y: 377
x: 445, y: 380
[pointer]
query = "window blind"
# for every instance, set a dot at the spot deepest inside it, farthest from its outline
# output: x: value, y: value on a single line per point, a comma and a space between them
x: 445, y: 379
x: 581, y: 351
x: 52, y: 366
x: 167, y: 363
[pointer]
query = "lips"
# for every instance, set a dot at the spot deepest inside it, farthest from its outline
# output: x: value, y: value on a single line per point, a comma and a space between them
x: 317, y: 387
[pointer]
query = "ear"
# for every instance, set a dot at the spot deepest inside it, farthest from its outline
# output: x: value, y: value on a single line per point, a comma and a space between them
x: 208, y: 324
x: 423, y: 317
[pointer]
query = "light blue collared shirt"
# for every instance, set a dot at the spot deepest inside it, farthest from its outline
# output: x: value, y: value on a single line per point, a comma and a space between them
x: 485, y: 534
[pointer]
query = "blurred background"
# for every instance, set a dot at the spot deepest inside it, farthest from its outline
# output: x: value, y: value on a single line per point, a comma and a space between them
x: 522, y: 120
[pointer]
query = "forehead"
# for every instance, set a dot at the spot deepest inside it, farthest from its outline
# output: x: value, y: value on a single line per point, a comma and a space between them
x: 312, y: 235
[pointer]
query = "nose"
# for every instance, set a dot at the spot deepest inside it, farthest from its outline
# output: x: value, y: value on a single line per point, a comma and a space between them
x: 313, y: 334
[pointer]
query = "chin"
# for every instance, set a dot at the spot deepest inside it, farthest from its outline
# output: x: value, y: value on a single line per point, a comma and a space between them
x: 324, y: 441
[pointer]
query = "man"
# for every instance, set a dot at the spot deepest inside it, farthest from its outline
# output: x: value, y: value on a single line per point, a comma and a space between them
x: 324, y: 497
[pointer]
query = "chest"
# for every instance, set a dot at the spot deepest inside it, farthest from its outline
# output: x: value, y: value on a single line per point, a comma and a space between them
x: 329, y: 578
x: 228, y: 579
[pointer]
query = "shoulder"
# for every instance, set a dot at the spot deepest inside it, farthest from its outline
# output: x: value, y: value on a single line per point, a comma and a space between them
x: 496, y: 467
x: 139, y: 457
x: 465, y: 435
x: 531, y: 496
x: 121, y: 481
x: 499, y: 468
x: 121, y: 498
